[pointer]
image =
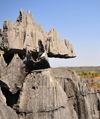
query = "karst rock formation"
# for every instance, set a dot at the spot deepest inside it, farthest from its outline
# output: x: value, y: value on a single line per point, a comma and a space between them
x: 26, y: 34
x: 29, y: 87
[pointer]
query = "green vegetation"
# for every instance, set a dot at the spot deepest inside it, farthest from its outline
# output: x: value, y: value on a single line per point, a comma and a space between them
x: 88, y: 74
x: 94, y: 84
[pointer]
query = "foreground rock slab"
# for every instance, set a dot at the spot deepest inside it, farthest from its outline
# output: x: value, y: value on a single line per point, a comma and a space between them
x: 47, y: 94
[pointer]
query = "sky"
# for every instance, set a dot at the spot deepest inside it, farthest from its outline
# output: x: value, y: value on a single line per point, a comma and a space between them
x: 76, y: 20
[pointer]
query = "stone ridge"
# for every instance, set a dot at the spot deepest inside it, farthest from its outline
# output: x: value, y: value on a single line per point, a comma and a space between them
x: 26, y: 34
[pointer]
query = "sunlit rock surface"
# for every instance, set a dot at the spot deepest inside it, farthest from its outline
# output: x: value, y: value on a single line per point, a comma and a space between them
x: 29, y: 87
x: 27, y: 34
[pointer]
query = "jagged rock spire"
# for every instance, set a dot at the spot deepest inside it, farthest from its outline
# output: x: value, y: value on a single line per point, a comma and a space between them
x: 25, y: 34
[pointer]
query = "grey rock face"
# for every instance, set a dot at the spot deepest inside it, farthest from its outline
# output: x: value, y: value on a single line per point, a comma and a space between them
x: 85, y: 100
x: 26, y: 34
x: 29, y: 88
x: 44, y: 93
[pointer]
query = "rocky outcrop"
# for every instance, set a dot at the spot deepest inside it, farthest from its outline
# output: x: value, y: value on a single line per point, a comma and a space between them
x: 29, y: 88
x: 26, y: 34
x: 44, y: 93
x: 85, y: 100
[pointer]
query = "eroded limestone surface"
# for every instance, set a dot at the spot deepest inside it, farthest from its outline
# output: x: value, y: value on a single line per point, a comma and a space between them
x: 26, y: 34
x: 29, y: 88
x: 45, y: 93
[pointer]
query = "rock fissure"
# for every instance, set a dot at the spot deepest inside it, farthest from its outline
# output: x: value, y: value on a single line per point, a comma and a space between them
x: 11, y: 99
x: 62, y: 107
x: 84, y: 95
